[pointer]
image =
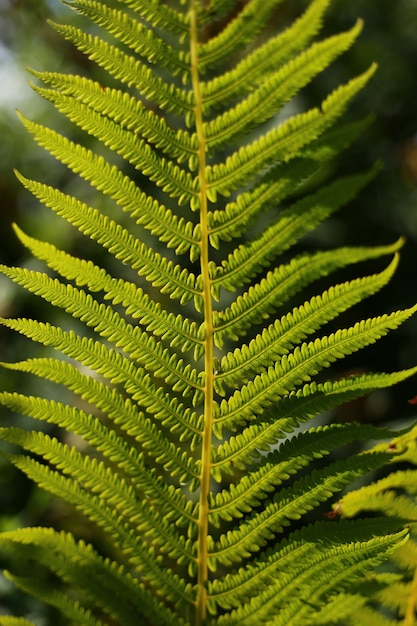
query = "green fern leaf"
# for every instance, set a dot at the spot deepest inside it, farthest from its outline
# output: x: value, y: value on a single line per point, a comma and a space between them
x: 280, y: 182
x: 109, y: 324
x: 159, y: 16
x: 252, y: 70
x: 243, y: 449
x: 176, y: 329
x: 135, y: 35
x: 305, y: 361
x: 248, y: 260
x: 171, y: 178
x: 159, y: 270
x: 114, y: 492
x: 279, y: 465
x: 263, y: 298
x: 115, y: 368
x: 241, y: 29
x: 276, y: 90
x: 193, y: 355
x: 118, y: 106
x: 76, y: 562
x: 282, y: 143
x: 278, y: 338
x: 127, y: 69
x: 325, y: 568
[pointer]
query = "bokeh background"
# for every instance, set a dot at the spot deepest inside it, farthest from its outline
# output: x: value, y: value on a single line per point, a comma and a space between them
x: 386, y: 210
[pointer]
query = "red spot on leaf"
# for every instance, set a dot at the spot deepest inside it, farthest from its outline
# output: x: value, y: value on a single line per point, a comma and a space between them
x: 413, y: 400
x: 333, y: 514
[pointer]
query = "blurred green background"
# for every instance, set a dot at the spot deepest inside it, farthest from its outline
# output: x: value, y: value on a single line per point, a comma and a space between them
x: 385, y: 211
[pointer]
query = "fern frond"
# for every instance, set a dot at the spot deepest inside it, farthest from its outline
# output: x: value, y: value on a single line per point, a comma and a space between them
x: 240, y: 31
x: 118, y: 450
x: 232, y: 222
x: 366, y: 556
x: 282, y: 143
x: 68, y: 607
x: 170, y: 177
x: 249, y: 259
x: 105, y: 321
x: 281, y: 181
x: 123, y: 414
x: 338, y: 571
x: 298, y: 367
x: 278, y: 338
x: 115, y: 104
x: 368, y: 617
x: 157, y: 16
x: 135, y: 549
x: 263, y: 298
x: 129, y: 70
x: 112, y: 489
x: 377, y: 496
x: 289, y: 504
x: 278, y: 466
x: 319, y: 548
x: 76, y: 561
x: 255, y: 68
x: 175, y: 280
x: 276, y: 90
x: 188, y: 463
x: 243, y: 449
x: 395, y: 494
x: 307, y: 543
x: 147, y: 212
x: 134, y: 35
x: 77, y: 421
x: 178, y: 330
x: 113, y: 366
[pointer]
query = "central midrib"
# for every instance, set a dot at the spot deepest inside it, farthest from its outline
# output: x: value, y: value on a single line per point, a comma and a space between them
x: 203, y: 515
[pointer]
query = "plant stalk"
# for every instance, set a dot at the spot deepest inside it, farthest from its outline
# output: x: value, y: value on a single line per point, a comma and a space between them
x: 202, y: 548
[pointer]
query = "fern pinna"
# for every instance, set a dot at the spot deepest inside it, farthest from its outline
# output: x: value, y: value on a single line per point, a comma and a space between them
x: 202, y: 344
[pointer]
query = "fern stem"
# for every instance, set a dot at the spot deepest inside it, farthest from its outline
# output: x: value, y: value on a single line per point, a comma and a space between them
x: 202, y: 558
